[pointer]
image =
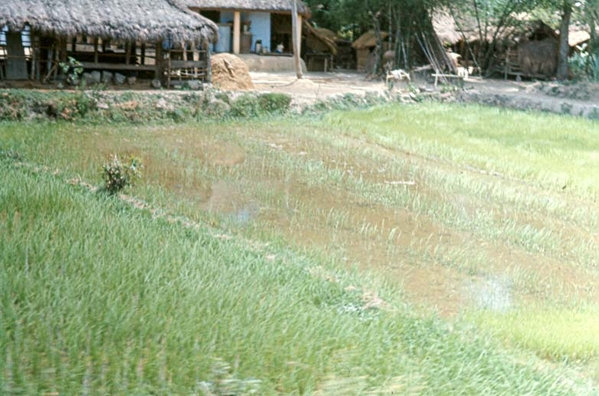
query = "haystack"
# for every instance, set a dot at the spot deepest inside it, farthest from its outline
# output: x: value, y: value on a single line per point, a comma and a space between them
x: 230, y: 73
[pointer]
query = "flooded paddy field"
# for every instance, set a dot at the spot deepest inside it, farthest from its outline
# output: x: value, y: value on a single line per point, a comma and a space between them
x: 473, y: 214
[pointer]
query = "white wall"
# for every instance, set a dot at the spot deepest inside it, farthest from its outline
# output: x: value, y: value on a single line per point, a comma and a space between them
x: 260, y: 28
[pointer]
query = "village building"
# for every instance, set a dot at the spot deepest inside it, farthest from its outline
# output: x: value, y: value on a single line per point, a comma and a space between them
x: 263, y: 27
x: 131, y: 37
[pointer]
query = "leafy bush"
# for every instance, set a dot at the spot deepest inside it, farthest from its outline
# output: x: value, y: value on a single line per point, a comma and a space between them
x: 584, y: 64
x: 274, y: 102
x: 246, y: 106
x: 217, y: 108
x: 73, y: 69
x: 118, y: 175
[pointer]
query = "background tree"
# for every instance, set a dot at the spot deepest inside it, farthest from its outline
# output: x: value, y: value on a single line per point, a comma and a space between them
x: 564, y: 46
x: 409, y: 23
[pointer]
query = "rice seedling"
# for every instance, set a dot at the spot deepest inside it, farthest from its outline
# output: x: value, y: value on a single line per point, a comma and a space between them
x: 461, y: 214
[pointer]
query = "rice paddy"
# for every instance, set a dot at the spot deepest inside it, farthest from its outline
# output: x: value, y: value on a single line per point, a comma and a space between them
x: 426, y: 249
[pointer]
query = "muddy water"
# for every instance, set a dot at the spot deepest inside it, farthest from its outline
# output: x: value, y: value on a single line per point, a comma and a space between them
x: 249, y: 183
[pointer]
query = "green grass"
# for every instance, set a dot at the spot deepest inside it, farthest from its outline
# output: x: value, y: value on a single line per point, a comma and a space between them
x: 98, y: 297
x: 550, y: 150
x: 263, y: 241
x: 571, y: 334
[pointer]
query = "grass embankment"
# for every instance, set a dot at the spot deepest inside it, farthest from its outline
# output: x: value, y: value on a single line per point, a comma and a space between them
x: 464, y: 208
x: 98, y: 297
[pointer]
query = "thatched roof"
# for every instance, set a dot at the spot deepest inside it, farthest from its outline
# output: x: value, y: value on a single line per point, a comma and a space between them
x: 368, y: 40
x: 446, y: 28
x: 320, y: 39
x: 577, y: 37
x: 285, y: 6
x: 144, y: 20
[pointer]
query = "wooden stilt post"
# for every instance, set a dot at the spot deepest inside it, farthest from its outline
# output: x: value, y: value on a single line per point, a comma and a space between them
x: 296, y: 41
x: 237, y: 32
x: 127, y: 53
x: 34, y: 58
x: 95, y: 50
x: 159, y: 61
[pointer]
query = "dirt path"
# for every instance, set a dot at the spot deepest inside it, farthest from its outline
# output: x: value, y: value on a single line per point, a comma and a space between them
x: 316, y: 86
x: 576, y: 99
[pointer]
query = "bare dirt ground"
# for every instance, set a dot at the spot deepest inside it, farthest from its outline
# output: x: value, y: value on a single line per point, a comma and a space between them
x: 316, y: 86
x: 577, y: 99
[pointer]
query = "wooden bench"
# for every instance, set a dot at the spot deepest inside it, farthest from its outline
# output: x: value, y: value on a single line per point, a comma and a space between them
x: 437, y: 76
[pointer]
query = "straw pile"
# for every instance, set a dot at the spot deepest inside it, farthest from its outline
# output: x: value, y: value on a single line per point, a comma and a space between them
x: 230, y: 73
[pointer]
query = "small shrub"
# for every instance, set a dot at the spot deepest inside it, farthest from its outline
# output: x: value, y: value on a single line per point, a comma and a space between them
x: 246, y: 106
x: 217, y: 108
x: 274, y: 102
x: 222, y: 96
x: 118, y: 175
x: 180, y: 114
x: 73, y: 69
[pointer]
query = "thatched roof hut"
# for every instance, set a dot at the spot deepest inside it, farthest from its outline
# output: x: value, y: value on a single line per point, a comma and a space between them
x: 282, y: 6
x: 129, y: 20
x: 320, y: 39
x: 446, y: 28
x: 368, y: 40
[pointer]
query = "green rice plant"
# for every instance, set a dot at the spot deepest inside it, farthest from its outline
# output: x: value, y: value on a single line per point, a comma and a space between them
x: 401, y: 189
x: 99, y: 297
x: 554, y: 333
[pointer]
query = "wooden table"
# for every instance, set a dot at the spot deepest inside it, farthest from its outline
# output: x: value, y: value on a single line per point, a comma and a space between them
x: 328, y: 60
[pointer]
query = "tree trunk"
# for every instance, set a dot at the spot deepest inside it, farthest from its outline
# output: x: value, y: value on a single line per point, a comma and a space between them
x: 564, y: 47
x: 378, y: 49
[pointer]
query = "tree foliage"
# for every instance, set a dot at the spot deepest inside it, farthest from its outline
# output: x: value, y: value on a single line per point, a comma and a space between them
x: 406, y: 20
